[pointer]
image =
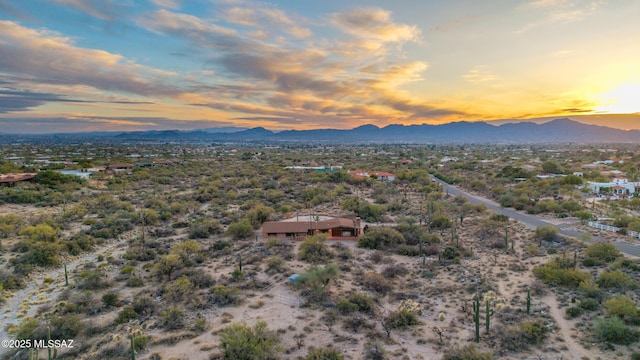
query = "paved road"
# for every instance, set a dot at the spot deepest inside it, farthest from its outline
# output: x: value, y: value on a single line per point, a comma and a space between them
x: 529, y: 220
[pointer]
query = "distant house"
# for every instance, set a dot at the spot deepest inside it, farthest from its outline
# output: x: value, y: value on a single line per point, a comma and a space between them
x: 335, y: 228
x: 12, y: 179
x: 379, y: 175
x: 119, y: 168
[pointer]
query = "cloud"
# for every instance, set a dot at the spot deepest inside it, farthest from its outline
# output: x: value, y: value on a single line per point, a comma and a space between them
x: 479, y: 75
x: 53, y: 59
x: 375, y: 24
x: 70, y: 124
x: 102, y: 9
x: 560, y: 12
x: 171, y: 4
x: 265, y: 19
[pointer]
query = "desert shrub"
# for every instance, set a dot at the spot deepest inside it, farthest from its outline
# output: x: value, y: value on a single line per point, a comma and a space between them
x: 621, y: 306
x: 92, y: 280
x: 79, y: 243
x: 374, y: 351
x: 275, y: 264
x: 315, y: 250
x: 401, y: 318
x: 203, y: 228
x: 143, y: 305
x: 127, y: 270
x: 380, y: 237
x: 450, y: 253
x: 366, y: 303
x: 178, y: 290
x: 518, y: 337
x: 315, y: 281
x: 324, y: 354
x: 241, y: 230
x: 27, y: 329
x: 616, y: 279
x: 468, y: 352
x: 110, y: 299
x: 589, y: 304
x: 600, y: 254
x: 590, y: 288
x: 140, y: 341
x: 126, y: 314
x: 241, y: 342
x: 552, y: 273
x: 346, y: 307
x: 172, y: 318
x: 225, y: 295
x: 393, y: 271
x: 574, y: 312
x: 614, y: 330
x: 377, y: 283
x: 546, y: 233
x: 134, y: 282
x: 219, y: 245
x: 408, y: 250
x: 66, y: 326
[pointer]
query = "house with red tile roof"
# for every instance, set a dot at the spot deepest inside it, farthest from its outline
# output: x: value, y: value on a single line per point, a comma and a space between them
x: 334, y: 228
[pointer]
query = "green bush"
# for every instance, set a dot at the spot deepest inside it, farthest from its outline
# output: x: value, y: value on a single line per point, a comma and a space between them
x: 401, y: 318
x: 614, y: 330
x: 315, y: 250
x: 134, y: 282
x: 366, y: 303
x: 552, y: 273
x: 468, y: 352
x: 589, y: 304
x: 377, y: 283
x: 172, y: 318
x: 324, y: 354
x: 380, y: 237
x: 110, y: 299
x: 225, y: 295
x: 126, y: 314
x: 574, y: 312
x: 241, y: 230
x: 241, y: 342
x: 346, y: 307
x: 616, y: 279
x: 600, y: 254
x: 546, y: 233
x: 621, y: 306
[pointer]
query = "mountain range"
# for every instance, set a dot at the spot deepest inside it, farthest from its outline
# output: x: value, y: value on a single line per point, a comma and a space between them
x: 556, y: 131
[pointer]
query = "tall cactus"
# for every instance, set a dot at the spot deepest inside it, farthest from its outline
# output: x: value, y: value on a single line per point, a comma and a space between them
x: 476, y: 317
x: 240, y: 262
x: 528, y: 301
x: 133, y: 349
x: 488, y: 314
x: 66, y: 276
x: 34, y: 354
x: 506, y: 237
x: 51, y: 353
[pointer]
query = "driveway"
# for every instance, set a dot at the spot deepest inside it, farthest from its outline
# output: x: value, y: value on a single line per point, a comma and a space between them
x: 529, y: 220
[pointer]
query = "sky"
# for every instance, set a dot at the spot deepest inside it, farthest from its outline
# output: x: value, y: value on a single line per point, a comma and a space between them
x: 107, y: 65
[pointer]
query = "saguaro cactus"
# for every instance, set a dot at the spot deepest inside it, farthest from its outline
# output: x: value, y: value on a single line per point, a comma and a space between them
x: 476, y: 317
x: 66, y: 276
x: 528, y: 301
x: 488, y: 314
x: 133, y: 349
x: 51, y: 353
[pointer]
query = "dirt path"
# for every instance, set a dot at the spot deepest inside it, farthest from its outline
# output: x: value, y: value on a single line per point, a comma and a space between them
x: 25, y: 302
x: 575, y: 350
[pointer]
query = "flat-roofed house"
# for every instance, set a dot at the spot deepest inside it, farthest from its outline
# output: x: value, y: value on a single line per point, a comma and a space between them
x: 335, y: 228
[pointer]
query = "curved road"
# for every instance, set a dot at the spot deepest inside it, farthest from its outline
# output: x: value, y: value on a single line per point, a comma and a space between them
x: 529, y: 220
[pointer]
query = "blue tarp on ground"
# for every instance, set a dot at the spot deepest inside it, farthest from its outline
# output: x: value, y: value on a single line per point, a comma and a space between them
x: 294, y: 278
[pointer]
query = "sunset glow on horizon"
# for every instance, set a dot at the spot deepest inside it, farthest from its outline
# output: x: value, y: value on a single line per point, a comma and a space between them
x: 92, y: 65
